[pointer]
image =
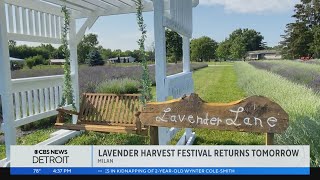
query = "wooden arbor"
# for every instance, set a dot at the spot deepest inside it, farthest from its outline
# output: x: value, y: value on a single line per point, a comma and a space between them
x: 32, y: 99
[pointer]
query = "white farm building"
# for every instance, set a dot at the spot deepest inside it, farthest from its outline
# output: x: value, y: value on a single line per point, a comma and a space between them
x: 128, y: 59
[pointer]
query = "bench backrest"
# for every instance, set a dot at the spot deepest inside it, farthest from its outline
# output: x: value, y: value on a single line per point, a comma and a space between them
x: 109, y: 109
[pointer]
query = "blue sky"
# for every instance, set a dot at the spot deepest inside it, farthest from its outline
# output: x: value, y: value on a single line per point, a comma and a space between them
x: 213, y: 18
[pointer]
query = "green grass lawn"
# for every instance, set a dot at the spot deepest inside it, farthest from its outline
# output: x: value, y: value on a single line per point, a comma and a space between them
x: 219, y: 84
x: 220, y: 63
x: 30, y: 139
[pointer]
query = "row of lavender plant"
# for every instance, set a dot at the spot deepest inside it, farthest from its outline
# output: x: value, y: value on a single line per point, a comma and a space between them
x: 302, y: 73
x: 301, y: 103
x: 312, y: 61
x: 90, y: 77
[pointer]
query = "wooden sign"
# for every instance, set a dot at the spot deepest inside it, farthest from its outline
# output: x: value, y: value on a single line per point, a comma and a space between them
x: 254, y: 114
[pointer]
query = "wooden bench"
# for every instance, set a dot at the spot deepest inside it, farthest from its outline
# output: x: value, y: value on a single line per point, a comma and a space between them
x: 105, y: 113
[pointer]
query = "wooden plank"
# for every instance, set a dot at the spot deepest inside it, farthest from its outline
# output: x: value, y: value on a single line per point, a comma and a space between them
x: 110, y: 99
x: 30, y: 38
x: 51, y: 99
x: 36, y: 23
x: 125, y: 114
x: 86, y: 108
x: 92, y: 109
x: 10, y: 18
x: 105, y: 123
x: 24, y: 20
x: 89, y: 106
x: 41, y: 98
x: 82, y: 108
x: 30, y: 103
x: 56, y: 96
x: 24, y: 104
x: 46, y: 99
x: 61, y: 25
x: 269, y: 138
x: 113, y: 110
x: 118, y: 110
x: 97, y: 108
x: 108, y: 94
x: 17, y: 104
x: 130, y: 116
x: 103, y: 109
x: 124, y: 108
x: 154, y: 136
x: 47, y: 17
x: 253, y: 114
x: 36, y: 101
x: 60, y: 94
x: 97, y: 128
x: 53, y: 29
x: 18, y: 22
x: 58, y: 28
x: 42, y: 24
x: 95, y: 111
x: 30, y: 18
x: 132, y: 120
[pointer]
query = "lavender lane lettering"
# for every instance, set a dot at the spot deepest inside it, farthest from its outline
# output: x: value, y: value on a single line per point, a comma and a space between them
x: 215, y: 120
x: 253, y: 114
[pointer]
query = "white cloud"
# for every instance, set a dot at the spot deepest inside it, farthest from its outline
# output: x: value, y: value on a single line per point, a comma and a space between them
x: 253, y: 6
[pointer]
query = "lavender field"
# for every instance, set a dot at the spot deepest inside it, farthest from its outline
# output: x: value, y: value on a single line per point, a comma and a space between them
x: 300, y: 102
x: 90, y: 77
x: 301, y: 73
x: 312, y: 61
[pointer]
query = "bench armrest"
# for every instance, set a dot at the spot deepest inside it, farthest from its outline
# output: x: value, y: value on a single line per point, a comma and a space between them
x: 62, y: 112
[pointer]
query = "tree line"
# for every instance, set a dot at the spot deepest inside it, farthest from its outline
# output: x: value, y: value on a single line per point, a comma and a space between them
x: 89, y: 52
x: 202, y: 49
x: 302, y: 37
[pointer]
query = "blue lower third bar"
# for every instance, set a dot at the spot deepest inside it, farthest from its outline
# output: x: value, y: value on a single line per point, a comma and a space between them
x: 163, y: 171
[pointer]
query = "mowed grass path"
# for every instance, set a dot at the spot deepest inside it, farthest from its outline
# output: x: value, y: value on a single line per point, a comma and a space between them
x: 219, y: 84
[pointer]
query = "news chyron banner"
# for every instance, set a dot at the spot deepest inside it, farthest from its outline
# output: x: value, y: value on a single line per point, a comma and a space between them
x: 160, y: 160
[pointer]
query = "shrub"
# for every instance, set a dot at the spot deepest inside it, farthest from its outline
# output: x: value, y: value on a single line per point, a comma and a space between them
x: 30, y: 62
x: 119, y: 86
x: 35, y: 60
x: 38, y: 60
x: 94, y: 58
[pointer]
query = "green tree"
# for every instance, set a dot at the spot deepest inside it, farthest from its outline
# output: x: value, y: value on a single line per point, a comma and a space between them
x: 238, y: 48
x: 137, y: 55
x: 30, y: 62
x: 105, y: 53
x: 301, y: 36
x: 252, y: 39
x: 94, y: 58
x: 222, y: 52
x: 117, y: 53
x: 173, y: 45
x: 89, y: 41
x: 58, y: 53
x: 203, y: 49
x: 297, y: 42
x: 315, y: 46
